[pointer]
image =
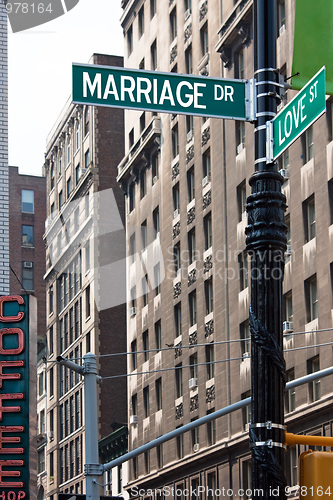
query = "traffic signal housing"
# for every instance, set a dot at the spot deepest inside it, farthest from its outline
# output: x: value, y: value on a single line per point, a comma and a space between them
x: 316, y: 475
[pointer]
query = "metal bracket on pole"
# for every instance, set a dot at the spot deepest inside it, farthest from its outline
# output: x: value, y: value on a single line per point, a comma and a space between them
x: 93, y: 469
x: 268, y: 425
x: 250, y: 100
x: 269, y: 142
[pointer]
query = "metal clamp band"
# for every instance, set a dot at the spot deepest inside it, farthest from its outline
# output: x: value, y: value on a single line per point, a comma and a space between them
x: 262, y: 127
x: 260, y: 160
x: 266, y: 113
x: 262, y: 70
x: 269, y: 82
x: 269, y: 443
x: 268, y: 425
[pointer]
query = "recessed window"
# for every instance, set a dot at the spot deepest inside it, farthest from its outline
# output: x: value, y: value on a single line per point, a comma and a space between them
x: 141, y: 21
x: 157, y: 278
x: 144, y: 234
x: 27, y: 236
x: 307, y: 143
x: 158, y: 335
x: 28, y: 201
x: 179, y: 381
x: 175, y: 141
x: 68, y: 151
x: 153, y: 55
x: 311, y: 298
x: 194, y: 366
x: 146, y: 401
x: 145, y: 345
x: 173, y: 25
x: 281, y: 17
x: 28, y: 275
x: 86, y: 120
x: 144, y: 285
x: 129, y: 38
x: 131, y: 138
x: 158, y: 392
x: 241, y: 200
x: 246, y: 410
x: 309, y: 217
x: 52, y: 176
x: 176, y: 199
x: 131, y: 195
x: 191, y: 184
x: 240, y: 136
x: 189, y: 60
x: 192, y: 299
x: 208, y: 231
x: 191, y: 246
x: 243, y: 270
x: 204, y: 40
x: 134, y: 355
x: 177, y: 257
x: 87, y: 159
x: 152, y: 8
x: 290, y: 395
x: 245, y: 335
x: 206, y: 167
x: 209, y: 297
x: 143, y: 183
x: 313, y: 365
x: 156, y: 221
x: 210, y: 367
x: 69, y: 186
x: 77, y: 137
x: 178, y: 319
x: 155, y: 167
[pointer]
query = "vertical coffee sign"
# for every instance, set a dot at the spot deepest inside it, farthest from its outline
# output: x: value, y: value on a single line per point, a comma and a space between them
x: 15, y: 398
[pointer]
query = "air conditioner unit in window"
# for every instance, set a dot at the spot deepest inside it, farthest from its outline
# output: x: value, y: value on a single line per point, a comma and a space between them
x: 282, y: 29
x: 285, y: 173
x: 187, y: 14
x: 155, y: 178
x: 132, y: 311
x: 205, y: 181
x: 288, y: 327
x: 288, y: 251
x: 246, y: 355
x: 196, y: 447
x: 27, y: 264
x: 193, y: 383
x: 240, y: 147
x: 175, y: 213
x: 50, y: 435
x: 133, y: 420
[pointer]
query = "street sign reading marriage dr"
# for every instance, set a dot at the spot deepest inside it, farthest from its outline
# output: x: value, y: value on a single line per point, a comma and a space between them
x: 163, y: 92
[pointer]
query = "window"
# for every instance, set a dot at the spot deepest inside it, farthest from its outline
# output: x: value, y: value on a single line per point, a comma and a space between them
x: 209, y: 298
x: 173, y: 25
x: 86, y: 120
x: 134, y: 354
x: 311, y: 298
x: 191, y: 246
x: 156, y: 221
x: 131, y: 137
x: 41, y: 460
x: 243, y: 270
x: 77, y: 137
x: 129, y: 38
x: 240, y: 135
x: 313, y: 366
x: 206, y: 167
x: 211, y: 486
x: 144, y: 234
x: 133, y: 298
x: 145, y: 345
x: 245, y: 335
x: 195, y: 434
x: 179, y: 381
x: 194, y: 366
x: 175, y: 141
x: 77, y: 174
x: 180, y: 446
x: 146, y: 401
x: 27, y: 236
x: 178, y: 319
x: 155, y: 167
x: 143, y: 183
x: 131, y: 195
x: 60, y: 199
x: 152, y: 8
x: 60, y: 163
x: 69, y: 186
x: 239, y: 64
x: 87, y: 294
x: 158, y: 392
x: 158, y: 335
x: 189, y: 127
x: 193, y: 308
x: 142, y: 122
x: 141, y: 21
x: 283, y: 160
x: 51, y: 344
x: 176, y: 199
x: 51, y: 383
x: 191, y: 184
x: 210, y: 367
x: 208, y: 232
x: 157, y: 278
x: 52, y: 176
x: 144, y: 284
x: 309, y: 215
x: 187, y: 4
x: 308, y: 144
x: 290, y: 396
x: 247, y: 478
x: 28, y: 275
x: 281, y: 17
x: 87, y: 159
x: 68, y: 151
x: 211, y: 430
x: 41, y: 384
x: 204, y: 40
x: 246, y: 410
x: 288, y: 307
x: 134, y: 404
x: 28, y: 201
x: 241, y: 200
x: 153, y: 55
x: 159, y: 456
x: 132, y: 248
x: 177, y: 257
x: 189, y: 60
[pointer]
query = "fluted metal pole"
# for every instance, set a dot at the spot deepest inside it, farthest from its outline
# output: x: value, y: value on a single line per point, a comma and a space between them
x: 266, y: 244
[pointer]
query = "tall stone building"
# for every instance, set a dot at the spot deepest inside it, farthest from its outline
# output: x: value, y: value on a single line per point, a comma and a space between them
x: 186, y: 181
x: 84, y: 235
x: 4, y: 194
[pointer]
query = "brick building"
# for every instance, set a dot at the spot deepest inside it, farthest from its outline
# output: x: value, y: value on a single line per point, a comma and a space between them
x: 186, y: 183
x: 84, y: 237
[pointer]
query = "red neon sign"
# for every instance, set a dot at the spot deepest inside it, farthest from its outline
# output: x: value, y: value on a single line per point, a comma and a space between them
x: 12, y: 298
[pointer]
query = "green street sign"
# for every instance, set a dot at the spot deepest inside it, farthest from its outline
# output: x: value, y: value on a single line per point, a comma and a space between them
x: 304, y: 109
x: 163, y: 92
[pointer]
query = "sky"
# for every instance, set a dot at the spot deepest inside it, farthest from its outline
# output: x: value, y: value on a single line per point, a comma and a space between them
x: 40, y: 73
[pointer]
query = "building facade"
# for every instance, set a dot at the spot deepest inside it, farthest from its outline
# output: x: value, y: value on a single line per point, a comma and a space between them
x: 84, y: 235
x: 186, y: 181
x: 4, y: 192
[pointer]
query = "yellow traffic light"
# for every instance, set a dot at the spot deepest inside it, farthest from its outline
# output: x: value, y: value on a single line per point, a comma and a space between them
x: 316, y: 475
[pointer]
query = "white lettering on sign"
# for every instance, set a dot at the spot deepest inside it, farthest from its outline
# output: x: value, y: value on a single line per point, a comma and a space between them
x: 294, y: 117
x: 223, y: 93
x: 92, y: 86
